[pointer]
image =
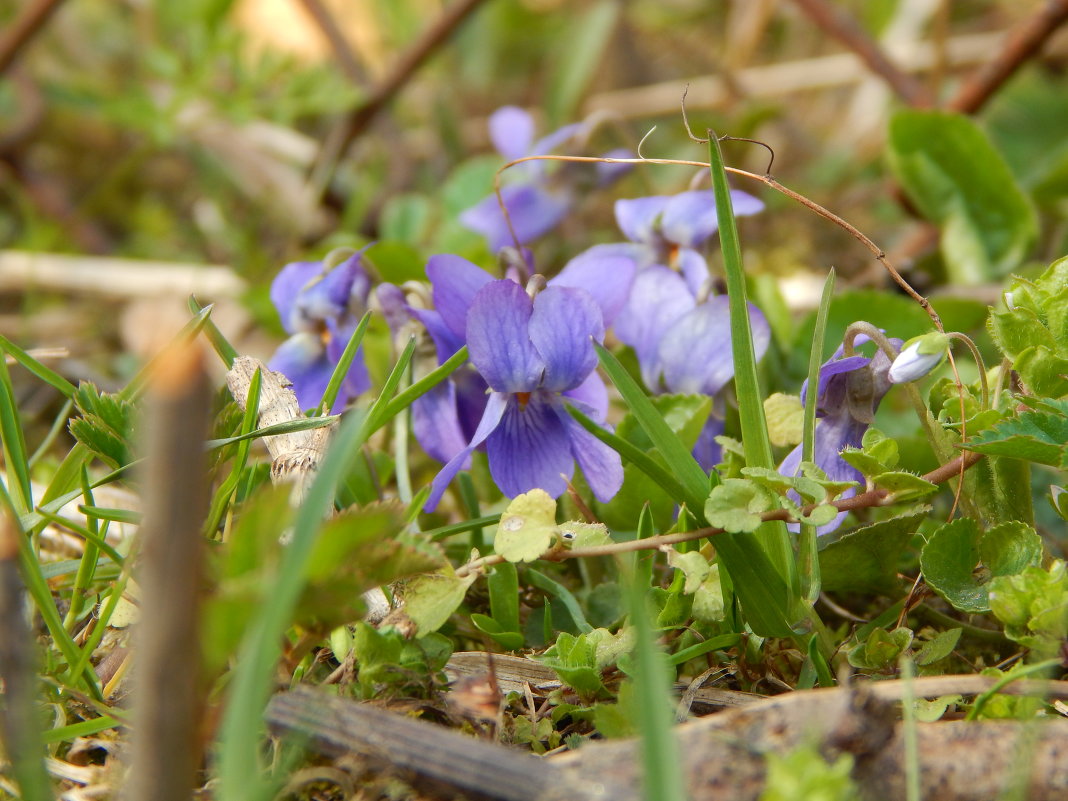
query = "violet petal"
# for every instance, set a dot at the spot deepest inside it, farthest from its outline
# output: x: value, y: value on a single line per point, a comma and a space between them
x: 495, y: 407
x: 530, y: 448
x: 498, y: 338
x: 563, y: 321
x: 455, y: 281
x: 606, y: 272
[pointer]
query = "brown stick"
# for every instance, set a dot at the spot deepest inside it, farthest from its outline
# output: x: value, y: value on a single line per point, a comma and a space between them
x: 21, y: 32
x: 839, y: 24
x: 18, y: 713
x: 407, y: 65
x: 167, y: 704
x: 338, y: 43
x: 723, y: 755
x: 1022, y: 44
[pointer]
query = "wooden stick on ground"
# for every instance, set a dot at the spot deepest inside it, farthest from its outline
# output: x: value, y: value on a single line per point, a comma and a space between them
x: 723, y: 754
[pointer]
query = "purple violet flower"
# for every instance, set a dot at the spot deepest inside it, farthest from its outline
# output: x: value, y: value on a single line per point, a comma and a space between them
x: 320, y: 307
x: 534, y: 354
x: 538, y: 196
x: 444, y: 420
x: 849, y: 392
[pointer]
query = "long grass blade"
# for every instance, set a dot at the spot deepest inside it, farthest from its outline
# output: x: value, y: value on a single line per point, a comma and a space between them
x: 18, y: 471
x: 679, y: 459
x: 661, y: 764
x: 405, y: 398
x: 633, y: 454
x: 755, y: 440
x: 220, y: 343
x: 341, y: 370
x: 46, y: 374
x: 808, y: 556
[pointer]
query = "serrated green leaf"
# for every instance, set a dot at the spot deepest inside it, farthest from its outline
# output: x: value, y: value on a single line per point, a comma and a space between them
x: 862, y: 461
x: 1043, y: 371
x: 708, y: 605
x: 1009, y: 548
x: 102, y: 440
x: 1017, y: 330
x: 1033, y: 606
x: 880, y: 447
x: 693, y: 565
x: 736, y: 505
x: 584, y: 535
x: 527, y: 527
x: 786, y: 418
x: 931, y: 711
x: 866, y: 559
x: 904, y: 486
x: 1034, y: 436
x: 948, y: 561
x: 958, y: 180
x: 429, y: 600
x: 938, y: 648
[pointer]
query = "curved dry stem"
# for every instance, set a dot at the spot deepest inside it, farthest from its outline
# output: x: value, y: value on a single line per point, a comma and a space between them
x: 767, y: 180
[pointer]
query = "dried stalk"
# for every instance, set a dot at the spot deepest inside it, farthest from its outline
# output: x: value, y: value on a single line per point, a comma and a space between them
x: 167, y: 685
x: 295, y: 457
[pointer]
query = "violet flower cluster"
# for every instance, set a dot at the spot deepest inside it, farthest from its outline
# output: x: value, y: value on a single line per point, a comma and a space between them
x: 531, y: 347
x: 320, y: 307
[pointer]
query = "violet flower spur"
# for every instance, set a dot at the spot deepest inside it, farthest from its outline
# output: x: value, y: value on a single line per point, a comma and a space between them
x: 538, y: 196
x: 849, y: 391
x: 534, y: 354
x: 320, y: 307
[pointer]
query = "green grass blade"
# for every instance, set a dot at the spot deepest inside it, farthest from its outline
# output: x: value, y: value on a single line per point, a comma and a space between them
x: 227, y: 489
x: 220, y: 343
x: 442, y: 532
x: 632, y: 453
x: 405, y: 399
x: 383, y: 409
x: 679, y: 459
x: 344, y: 363
x: 18, y: 471
x: 83, y: 729
x: 555, y: 588
x: 661, y: 764
x: 85, y: 534
x: 239, y: 769
x: 46, y: 374
x: 773, y: 537
x: 288, y: 427
x: 58, y: 426
x: 701, y: 648
x: 808, y: 556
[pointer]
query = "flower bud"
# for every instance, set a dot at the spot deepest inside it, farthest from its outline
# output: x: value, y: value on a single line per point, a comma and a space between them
x: 919, y: 357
